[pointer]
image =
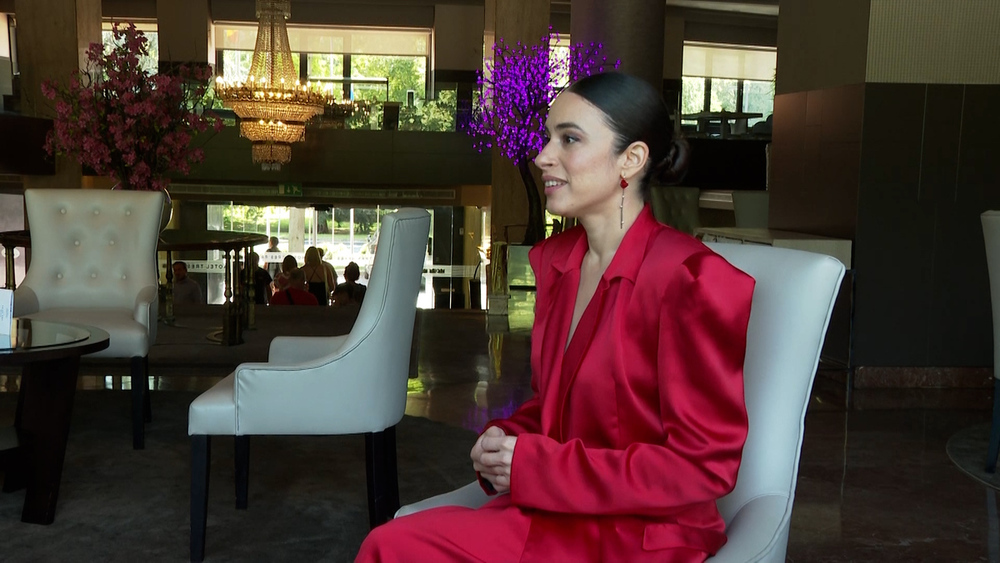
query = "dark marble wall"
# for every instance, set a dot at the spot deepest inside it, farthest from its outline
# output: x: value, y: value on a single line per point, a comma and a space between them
x: 928, y: 170
x: 904, y: 170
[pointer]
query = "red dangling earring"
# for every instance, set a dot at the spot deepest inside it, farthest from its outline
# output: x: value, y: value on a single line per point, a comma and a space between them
x: 621, y: 206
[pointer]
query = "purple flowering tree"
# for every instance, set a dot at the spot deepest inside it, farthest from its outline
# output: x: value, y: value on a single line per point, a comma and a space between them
x: 515, y: 91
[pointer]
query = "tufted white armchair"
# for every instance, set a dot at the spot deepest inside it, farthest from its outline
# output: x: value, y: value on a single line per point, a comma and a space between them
x: 93, y: 262
x: 792, y: 301
x: 350, y: 384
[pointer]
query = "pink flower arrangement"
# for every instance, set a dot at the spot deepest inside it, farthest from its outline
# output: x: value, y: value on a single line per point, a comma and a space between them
x: 122, y: 121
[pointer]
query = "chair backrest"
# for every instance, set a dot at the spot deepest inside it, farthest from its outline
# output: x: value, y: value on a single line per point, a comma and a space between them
x: 676, y: 206
x: 991, y: 234
x: 385, y: 321
x: 91, y: 248
x: 792, y: 302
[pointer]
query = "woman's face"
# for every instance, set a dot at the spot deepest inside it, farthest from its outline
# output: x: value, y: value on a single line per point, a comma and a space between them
x: 580, y: 168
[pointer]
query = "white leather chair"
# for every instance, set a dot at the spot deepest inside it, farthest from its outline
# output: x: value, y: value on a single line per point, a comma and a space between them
x: 93, y: 262
x: 991, y: 234
x: 349, y: 384
x: 792, y: 302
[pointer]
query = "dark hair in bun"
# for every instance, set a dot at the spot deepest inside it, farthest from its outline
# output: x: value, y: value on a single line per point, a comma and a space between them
x: 635, y: 111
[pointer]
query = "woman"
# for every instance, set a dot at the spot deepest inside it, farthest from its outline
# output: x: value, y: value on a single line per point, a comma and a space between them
x: 350, y: 292
x: 282, y: 278
x: 321, y: 279
x: 638, y: 420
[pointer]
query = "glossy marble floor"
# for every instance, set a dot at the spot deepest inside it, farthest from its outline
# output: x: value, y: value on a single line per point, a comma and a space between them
x: 875, y: 483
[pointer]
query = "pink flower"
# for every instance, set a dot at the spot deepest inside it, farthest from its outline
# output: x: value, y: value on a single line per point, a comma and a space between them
x: 121, y: 120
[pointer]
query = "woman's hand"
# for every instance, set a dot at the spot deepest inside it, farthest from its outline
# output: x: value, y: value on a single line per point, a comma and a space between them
x: 492, y: 456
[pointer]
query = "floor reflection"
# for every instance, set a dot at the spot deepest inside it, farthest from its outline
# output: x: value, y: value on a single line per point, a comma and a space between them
x: 875, y: 483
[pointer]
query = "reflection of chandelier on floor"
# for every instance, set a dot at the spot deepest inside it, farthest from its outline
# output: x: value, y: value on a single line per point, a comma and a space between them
x: 272, y: 105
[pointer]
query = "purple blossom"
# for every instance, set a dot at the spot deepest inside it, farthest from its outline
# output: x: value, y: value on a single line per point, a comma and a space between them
x: 517, y: 87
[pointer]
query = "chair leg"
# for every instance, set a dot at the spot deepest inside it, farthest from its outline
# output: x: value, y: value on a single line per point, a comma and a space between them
x: 242, y: 449
x: 201, y: 455
x: 391, y: 474
x: 138, y: 398
x: 383, y: 486
x: 375, y: 470
x: 146, y: 404
x: 994, y: 447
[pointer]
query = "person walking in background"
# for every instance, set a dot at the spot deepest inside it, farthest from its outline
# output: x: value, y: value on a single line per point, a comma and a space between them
x: 296, y: 293
x: 261, y: 281
x: 272, y: 267
x: 186, y: 290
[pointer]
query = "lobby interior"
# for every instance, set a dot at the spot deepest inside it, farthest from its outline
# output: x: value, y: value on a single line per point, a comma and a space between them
x: 883, y: 135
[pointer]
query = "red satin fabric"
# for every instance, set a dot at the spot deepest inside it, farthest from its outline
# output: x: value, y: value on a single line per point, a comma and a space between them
x: 636, y: 427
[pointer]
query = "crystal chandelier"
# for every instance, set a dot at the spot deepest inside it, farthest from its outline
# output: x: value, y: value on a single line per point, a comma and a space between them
x: 273, y: 106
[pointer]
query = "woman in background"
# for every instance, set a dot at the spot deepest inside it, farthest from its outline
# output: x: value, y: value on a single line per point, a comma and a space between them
x: 321, y: 279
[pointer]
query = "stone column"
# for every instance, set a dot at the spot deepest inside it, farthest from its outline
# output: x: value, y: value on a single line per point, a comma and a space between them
x: 631, y: 30
x: 52, y: 40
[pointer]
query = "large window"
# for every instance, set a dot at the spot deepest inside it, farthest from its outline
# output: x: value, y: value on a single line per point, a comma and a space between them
x: 150, y: 63
x: 365, y: 64
x: 724, y: 78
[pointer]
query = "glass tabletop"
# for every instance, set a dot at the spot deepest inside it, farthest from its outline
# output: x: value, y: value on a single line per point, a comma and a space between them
x: 28, y: 334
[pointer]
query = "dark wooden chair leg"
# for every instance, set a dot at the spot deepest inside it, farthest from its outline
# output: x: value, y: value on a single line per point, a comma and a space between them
x: 138, y: 398
x: 242, y: 450
x: 994, y: 447
x: 146, y: 404
x: 375, y: 465
x: 201, y: 454
x: 391, y: 474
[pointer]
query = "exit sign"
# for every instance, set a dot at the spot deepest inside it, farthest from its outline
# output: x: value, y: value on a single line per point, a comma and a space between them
x: 290, y: 189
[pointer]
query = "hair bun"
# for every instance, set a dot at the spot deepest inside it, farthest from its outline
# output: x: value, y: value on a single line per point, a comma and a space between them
x: 672, y: 168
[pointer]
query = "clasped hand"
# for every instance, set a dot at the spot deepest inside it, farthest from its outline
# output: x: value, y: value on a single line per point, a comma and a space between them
x: 492, y: 456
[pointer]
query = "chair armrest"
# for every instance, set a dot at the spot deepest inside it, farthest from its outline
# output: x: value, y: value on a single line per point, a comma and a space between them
x: 471, y: 496
x: 25, y: 301
x: 145, y: 307
x: 288, y: 350
x: 758, y: 532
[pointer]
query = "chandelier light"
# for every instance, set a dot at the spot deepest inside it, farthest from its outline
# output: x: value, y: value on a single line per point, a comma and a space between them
x: 273, y: 106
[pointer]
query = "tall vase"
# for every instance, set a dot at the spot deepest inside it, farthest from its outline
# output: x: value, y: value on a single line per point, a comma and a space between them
x: 168, y: 206
x: 168, y: 210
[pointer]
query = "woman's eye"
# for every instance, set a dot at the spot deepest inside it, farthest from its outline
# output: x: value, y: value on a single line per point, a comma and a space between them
x: 569, y: 139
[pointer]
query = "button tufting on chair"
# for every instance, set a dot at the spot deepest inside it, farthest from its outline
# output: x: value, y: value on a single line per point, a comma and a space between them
x: 127, y: 309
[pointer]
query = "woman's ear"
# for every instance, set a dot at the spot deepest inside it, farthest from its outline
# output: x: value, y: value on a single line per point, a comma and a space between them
x: 634, y: 159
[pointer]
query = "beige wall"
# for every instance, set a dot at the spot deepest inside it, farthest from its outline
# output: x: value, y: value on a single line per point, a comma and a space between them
x: 184, y: 30
x: 673, y: 47
x: 458, y: 37
x: 934, y: 42
x: 821, y: 44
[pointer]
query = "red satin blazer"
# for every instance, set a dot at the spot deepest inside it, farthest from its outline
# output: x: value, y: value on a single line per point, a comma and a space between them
x: 637, y: 427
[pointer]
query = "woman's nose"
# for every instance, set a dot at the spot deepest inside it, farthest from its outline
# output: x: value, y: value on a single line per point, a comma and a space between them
x: 544, y: 157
